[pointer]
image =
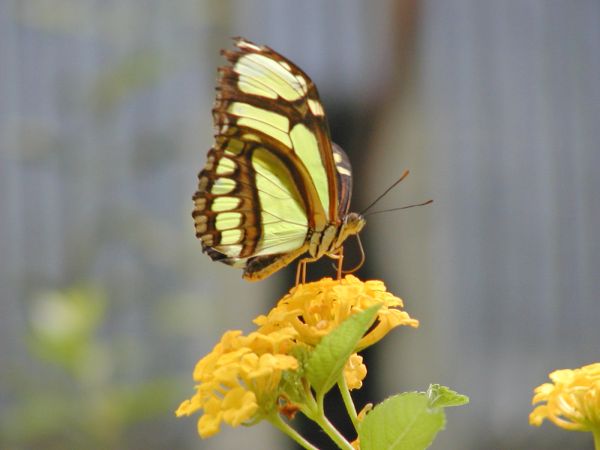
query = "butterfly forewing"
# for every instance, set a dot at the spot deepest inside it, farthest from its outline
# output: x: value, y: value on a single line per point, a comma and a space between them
x: 291, y: 113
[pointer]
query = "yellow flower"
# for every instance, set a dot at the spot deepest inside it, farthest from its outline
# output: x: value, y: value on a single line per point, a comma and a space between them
x: 315, y: 309
x: 238, y: 381
x: 354, y: 372
x: 241, y: 380
x: 572, y: 401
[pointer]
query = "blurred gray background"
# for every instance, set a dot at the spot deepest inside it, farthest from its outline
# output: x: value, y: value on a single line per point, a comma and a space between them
x: 106, y: 301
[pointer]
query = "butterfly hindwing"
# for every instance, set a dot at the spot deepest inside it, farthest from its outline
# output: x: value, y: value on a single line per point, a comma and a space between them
x: 225, y: 213
x: 343, y: 170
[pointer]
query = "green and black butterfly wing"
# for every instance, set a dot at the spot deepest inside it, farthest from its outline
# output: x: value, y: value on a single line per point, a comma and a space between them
x: 273, y: 175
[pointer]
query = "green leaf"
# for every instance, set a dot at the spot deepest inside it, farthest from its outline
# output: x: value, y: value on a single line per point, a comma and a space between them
x: 402, y: 422
x: 443, y: 397
x: 327, y: 360
x: 408, y: 421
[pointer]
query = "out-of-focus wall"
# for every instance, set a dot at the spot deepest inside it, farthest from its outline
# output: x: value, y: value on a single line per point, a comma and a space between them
x: 106, y: 301
x: 500, y: 127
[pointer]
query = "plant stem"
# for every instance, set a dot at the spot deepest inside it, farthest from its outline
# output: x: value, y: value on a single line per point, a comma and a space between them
x: 321, y: 420
x: 310, y: 401
x: 596, y: 433
x: 348, y: 401
x: 279, y: 423
x: 334, y: 434
x: 315, y: 411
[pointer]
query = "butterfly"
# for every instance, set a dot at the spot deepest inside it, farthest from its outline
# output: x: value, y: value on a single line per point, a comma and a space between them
x: 274, y: 186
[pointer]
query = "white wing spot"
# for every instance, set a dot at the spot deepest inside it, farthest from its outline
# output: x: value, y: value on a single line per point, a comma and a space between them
x: 200, y: 203
x: 249, y: 45
x: 302, y: 82
x: 251, y: 137
x: 209, y: 163
x: 201, y: 223
x: 234, y: 147
x: 225, y: 203
x: 343, y: 171
x: 228, y: 220
x: 315, y: 107
x: 226, y: 166
x: 230, y: 237
x: 202, y: 184
x: 223, y: 186
x: 232, y: 251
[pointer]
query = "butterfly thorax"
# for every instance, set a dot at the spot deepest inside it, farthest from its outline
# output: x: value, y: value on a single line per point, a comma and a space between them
x: 331, y: 238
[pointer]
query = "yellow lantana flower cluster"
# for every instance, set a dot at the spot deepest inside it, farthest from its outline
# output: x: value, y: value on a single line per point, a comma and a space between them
x: 572, y: 401
x: 240, y: 381
x: 238, y: 378
x: 315, y: 309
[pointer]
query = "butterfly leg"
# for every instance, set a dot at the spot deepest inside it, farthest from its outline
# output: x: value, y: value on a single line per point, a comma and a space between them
x: 340, y: 262
x: 301, y: 270
x: 338, y: 255
x: 304, y: 265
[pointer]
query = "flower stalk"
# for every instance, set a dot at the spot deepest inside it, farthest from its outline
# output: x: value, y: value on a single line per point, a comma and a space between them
x: 348, y: 403
x: 332, y: 432
x: 284, y: 427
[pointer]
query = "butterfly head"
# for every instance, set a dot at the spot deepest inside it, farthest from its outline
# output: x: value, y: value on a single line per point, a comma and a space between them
x: 352, y: 224
x: 354, y: 221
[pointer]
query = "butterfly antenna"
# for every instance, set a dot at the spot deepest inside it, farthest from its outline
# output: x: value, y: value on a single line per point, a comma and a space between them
x: 402, y: 177
x: 398, y: 209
